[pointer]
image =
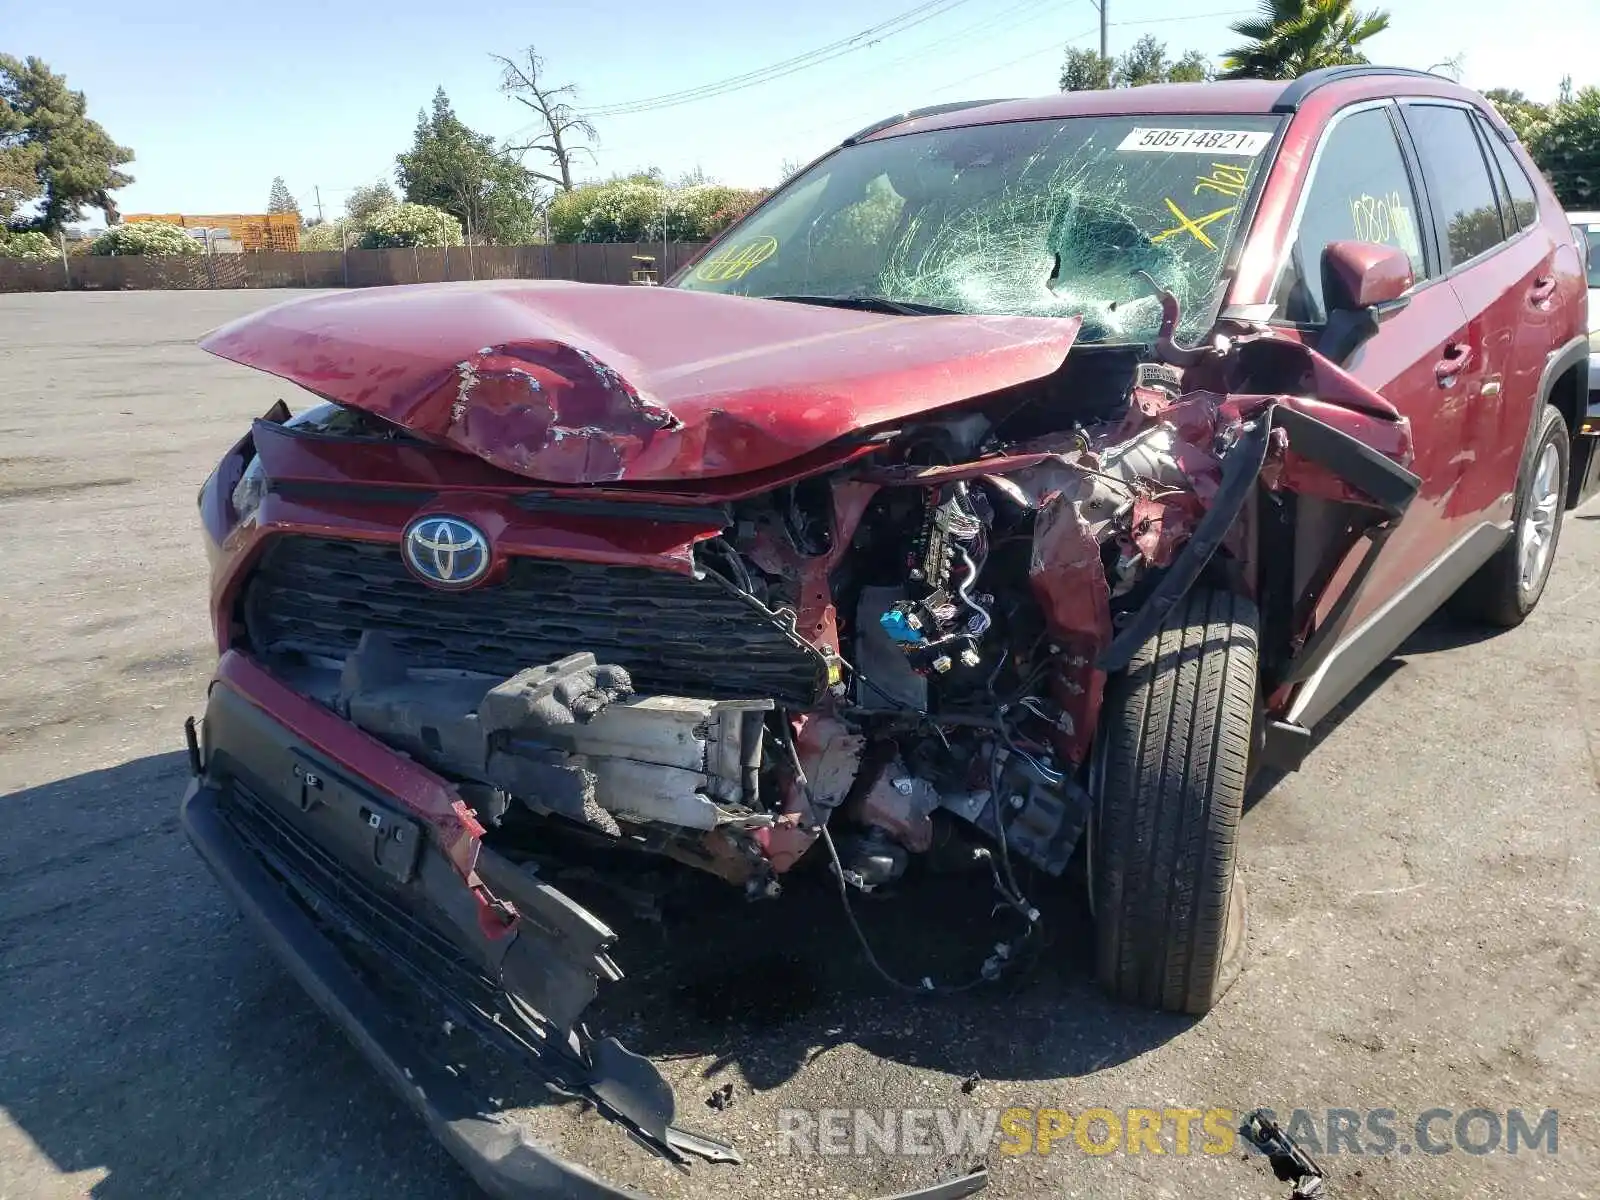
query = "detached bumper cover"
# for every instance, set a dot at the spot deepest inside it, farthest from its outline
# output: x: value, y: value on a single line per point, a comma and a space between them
x: 496, y: 1154
x: 291, y: 869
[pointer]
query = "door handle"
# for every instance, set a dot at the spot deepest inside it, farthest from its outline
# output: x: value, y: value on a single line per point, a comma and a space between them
x: 1543, y: 288
x: 1456, y: 357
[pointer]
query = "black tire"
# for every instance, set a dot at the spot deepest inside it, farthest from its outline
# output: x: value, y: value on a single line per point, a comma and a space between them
x: 1171, y: 762
x: 1498, y: 594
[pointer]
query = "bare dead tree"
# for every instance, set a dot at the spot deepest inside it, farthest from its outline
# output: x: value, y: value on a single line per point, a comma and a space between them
x: 557, y: 122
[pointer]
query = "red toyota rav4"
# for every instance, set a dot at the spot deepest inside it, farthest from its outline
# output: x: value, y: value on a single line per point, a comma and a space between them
x: 1017, y: 478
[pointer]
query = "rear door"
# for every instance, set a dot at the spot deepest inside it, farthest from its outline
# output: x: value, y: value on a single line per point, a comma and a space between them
x: 1503, y: 274
x: 1362, y: 187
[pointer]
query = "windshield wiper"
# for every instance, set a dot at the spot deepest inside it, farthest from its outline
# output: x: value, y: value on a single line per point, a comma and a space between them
x: 901, y: 308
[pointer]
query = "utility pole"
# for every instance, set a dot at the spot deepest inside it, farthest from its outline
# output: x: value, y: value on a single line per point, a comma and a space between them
x: 318, y: 191
x: 1100, y: 7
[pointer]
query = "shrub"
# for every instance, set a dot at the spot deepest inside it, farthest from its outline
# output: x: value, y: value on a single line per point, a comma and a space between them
x: 634, y: 210
x: 713, y: 207
x: 410, y: 225
x: 34, y: 247
x: 329, y: 235
x: 145, y: 237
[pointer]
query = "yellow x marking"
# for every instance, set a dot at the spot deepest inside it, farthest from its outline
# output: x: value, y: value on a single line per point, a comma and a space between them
x: 1194, y: 225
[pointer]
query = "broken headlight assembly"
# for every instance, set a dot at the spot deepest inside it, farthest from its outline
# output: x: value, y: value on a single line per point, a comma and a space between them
x: 247, y: 493
x: 324, y: 419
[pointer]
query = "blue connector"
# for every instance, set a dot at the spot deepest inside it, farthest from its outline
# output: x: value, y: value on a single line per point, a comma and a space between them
x: 899, y: 630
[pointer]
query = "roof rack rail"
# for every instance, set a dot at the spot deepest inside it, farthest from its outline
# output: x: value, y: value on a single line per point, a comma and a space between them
x: 1295, y: 94
x: 932, y: 110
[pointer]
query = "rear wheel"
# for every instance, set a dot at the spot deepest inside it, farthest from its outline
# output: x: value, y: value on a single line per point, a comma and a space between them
x: 1169, y: 779
x: 1508, y: 586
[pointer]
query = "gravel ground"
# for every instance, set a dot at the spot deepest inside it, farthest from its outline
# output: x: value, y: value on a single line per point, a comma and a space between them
x: 1422, y: 895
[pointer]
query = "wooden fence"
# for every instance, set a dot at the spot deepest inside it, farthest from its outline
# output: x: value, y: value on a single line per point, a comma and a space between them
x: 611, y: 262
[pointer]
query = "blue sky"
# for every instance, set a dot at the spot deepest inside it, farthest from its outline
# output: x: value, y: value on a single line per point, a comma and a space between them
x: 216, y: 100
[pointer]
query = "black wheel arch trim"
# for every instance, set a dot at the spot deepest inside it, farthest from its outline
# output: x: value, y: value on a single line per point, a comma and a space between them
x: 1573, y: 354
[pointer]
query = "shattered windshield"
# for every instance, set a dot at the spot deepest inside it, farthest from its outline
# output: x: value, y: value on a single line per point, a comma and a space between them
x: 1036, y: 218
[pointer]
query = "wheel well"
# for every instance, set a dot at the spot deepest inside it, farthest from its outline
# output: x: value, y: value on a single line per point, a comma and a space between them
x: 1570, y: 395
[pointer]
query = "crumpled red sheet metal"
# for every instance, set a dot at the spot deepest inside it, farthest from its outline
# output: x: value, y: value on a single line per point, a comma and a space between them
x: 575, y: 383
x: 1070, y: 585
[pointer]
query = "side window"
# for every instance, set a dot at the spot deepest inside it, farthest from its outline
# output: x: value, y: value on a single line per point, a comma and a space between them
x: 1463, y: 195
x: 1524, y: 200
x: 1361, y: 192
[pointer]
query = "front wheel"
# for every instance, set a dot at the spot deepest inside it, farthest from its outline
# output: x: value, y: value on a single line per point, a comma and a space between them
x: 1168, y: 787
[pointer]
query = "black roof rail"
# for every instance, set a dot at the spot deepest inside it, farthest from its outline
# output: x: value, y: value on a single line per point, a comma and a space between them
x: 932, y: 110
x: 1295, y: 94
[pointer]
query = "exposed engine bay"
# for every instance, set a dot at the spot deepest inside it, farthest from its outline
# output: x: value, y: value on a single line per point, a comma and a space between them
x: 945, y: 613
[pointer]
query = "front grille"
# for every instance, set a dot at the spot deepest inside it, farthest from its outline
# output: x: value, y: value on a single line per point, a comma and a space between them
x: 674, y: 634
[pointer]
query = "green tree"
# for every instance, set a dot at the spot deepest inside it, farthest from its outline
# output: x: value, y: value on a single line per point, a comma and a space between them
x: 367, y: 201
x: 45, y: 132
x: 557, y: 125
x: 1193, y: 67
x: 1085, y: 71
x: 1144, y: 62
x: 1291, y: 37
x: 411, y: 225
x: 449, y: 166
x: 1567, y: 149
x: 19, y: 181
x: 1526, y: 117
x: 280, y: 199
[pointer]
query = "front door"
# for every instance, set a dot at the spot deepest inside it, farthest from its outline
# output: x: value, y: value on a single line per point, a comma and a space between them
x: 1362, y: 189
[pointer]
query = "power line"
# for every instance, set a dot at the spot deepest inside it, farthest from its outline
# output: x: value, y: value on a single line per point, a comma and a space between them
x: 1231, y: 12
x: 1052, y: 49
x: 863, y: 40
x: 909, y: 19
x: 992, y: 24
x: 836, y: 123
x: 1057, y: 49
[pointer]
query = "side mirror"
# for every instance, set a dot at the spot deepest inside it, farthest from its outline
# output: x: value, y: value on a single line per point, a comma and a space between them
x: 1357, y: 275
x: 1363, y: 283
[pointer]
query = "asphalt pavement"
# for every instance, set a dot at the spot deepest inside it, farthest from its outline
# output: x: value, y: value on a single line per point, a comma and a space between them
x: 1422, y: 894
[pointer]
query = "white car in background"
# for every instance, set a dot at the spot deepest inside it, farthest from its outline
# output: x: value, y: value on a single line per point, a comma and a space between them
x: 1586, y: 228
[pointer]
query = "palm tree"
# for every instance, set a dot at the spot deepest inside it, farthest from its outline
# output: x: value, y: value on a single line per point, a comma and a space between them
x: 1291, y: 37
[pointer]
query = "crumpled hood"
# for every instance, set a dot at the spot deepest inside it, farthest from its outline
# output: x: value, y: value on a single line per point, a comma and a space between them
x: 590, y: 383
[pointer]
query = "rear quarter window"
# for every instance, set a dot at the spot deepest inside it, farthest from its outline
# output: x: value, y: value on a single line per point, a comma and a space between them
x: 1524, y: 200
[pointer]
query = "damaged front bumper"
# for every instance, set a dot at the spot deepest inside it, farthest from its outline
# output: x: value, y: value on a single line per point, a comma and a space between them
x: 337, y: 871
